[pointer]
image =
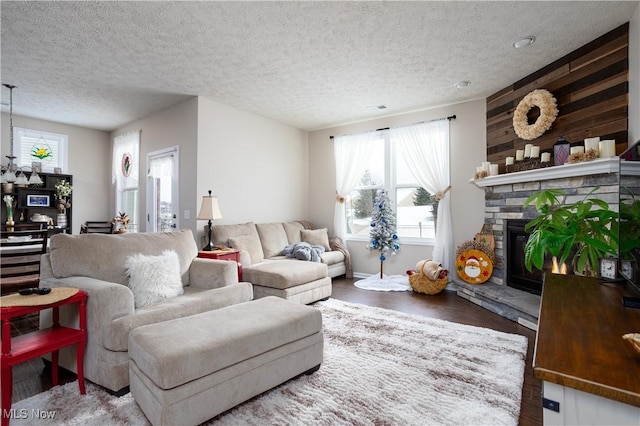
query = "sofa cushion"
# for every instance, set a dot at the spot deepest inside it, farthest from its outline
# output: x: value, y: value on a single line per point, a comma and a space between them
x: 332, y: 257
x: 284, y: 273
x: 220, y: 234
x: 103, y: 256
x: 293, y: 231
x: 316, y: 237
x: 249, y: 243
x: 250, y: 330
x: 272, y: 237
x: 154, y: 278
x: 115, y: 334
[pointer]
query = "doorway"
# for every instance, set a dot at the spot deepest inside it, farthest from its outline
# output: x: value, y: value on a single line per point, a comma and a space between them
x: 162, y: 190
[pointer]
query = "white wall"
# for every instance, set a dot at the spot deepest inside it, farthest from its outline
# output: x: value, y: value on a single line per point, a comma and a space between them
x: 468, y: 149
x: 88, y: 151
x: 634, y: 77
x: 174, y: 126
x: 257, y: 167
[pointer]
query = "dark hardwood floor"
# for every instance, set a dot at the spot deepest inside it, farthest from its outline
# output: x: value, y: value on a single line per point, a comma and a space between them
x: 29, y: 378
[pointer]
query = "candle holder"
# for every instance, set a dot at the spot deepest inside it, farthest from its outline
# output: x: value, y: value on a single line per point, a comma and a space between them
x: 534, y: 163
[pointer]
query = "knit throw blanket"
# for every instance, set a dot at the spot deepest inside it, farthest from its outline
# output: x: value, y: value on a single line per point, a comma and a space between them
x: 303, y: 251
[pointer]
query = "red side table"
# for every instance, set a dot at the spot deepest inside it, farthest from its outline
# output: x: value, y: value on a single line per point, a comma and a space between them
x: 35, y: 344
x: 230, y: 254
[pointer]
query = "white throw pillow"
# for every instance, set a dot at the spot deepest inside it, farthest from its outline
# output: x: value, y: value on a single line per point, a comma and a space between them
x: 154, y: 278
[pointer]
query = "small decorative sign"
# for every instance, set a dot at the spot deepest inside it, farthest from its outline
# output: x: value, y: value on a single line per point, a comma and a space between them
x: 127, y: 164
x: 474, y: 266
x: 37, y: 200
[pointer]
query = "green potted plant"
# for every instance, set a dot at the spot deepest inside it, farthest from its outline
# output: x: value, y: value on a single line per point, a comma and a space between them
x: 629, y: 226
x: 588, y: 227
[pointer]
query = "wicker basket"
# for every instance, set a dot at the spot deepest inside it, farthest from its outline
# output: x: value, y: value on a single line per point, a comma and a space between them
x: 633, y: 338
x: 422, y: 284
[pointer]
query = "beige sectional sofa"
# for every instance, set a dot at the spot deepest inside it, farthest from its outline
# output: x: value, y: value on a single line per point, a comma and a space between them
x: 271, y: 273
x: 96, y: 263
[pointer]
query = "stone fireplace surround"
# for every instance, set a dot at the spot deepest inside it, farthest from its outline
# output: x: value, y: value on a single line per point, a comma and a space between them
x: 504, y: 198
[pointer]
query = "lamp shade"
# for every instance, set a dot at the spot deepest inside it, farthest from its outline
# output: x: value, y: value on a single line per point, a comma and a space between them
x: 34, y: 179
x: 21, y: 179
x: 209, y: 209
x: 9, y: 176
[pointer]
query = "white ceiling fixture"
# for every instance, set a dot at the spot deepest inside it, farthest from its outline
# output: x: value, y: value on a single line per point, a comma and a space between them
x: 461, y: 84
x: 103, y: 64
x: 524, y: 42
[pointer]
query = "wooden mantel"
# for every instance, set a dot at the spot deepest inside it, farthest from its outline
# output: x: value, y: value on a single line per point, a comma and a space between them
x: 599, y: 166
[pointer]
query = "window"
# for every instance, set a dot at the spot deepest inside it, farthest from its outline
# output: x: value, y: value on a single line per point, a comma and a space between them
x: 414, y: 207
x: 35, y: 146
x: 125, y: 174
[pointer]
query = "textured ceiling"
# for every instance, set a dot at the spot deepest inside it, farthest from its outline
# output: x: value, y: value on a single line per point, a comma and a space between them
x: 308, y: 64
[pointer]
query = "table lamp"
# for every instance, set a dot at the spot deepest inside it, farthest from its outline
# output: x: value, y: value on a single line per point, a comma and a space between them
x: 209, y: 210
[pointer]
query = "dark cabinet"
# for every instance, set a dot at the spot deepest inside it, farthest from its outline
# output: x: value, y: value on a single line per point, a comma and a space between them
x: 37, y: 201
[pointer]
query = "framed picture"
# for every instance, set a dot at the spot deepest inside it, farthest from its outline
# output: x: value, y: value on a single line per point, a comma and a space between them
x: 627, y: 269
x: 37, y: 201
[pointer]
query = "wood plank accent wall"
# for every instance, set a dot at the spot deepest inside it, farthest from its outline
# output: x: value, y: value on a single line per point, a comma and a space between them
x: 591, y: 86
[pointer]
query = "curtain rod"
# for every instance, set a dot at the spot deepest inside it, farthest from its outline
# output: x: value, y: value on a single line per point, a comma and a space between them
x: 451, y: 117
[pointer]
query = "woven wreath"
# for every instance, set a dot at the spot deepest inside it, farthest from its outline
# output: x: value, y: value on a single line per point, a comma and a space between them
x: 542, y: 99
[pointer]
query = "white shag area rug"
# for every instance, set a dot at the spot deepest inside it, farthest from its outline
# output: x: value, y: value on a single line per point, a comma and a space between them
x: 386, y: 283
x: 380, y: 367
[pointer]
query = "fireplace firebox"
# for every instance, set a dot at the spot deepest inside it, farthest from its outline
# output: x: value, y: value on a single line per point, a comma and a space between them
x: 517, y: 274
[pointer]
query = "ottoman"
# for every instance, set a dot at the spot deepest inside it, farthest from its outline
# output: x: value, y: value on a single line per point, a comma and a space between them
x: 188, y: 370
x: 295, y: 280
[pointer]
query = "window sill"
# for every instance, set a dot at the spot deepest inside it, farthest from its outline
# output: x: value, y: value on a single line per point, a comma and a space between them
x: 402, y: 241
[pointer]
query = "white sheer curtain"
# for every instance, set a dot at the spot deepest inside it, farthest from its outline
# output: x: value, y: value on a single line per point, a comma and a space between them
x: 425, y: 148
x: 352, y: 154
x: 161, y: 167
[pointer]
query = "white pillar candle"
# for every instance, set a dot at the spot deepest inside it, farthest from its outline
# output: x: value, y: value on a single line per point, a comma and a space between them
x: 508, y: 161
x: 535, y: 151
x: 479, y: 169
x: 591, y: 143
x: 576, y: 149
x: 493, y: 169
x: 607, y: 148
x: 519, y: 154
x: 485, y: 166
x: 546, y: 157
x: 527, y: 150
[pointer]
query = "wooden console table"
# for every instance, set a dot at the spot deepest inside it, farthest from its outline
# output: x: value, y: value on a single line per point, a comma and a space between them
x: 25, y: 347
x: 591, y: 375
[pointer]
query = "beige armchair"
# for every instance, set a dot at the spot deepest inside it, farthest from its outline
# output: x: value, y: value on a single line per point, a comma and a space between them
x: 96, y: 263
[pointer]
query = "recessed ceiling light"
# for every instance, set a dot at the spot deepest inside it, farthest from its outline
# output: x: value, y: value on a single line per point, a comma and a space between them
x: 461, y: 84
x: 524, y: 42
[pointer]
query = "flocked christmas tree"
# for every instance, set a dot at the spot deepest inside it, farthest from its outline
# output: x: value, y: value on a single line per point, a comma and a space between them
x: 383, y: 228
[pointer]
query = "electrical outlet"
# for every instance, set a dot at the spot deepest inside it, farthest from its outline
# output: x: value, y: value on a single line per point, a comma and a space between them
x: 187, y: 214
x: 551, y: 405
